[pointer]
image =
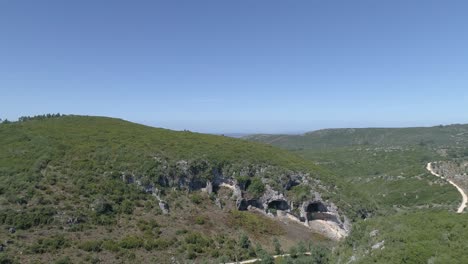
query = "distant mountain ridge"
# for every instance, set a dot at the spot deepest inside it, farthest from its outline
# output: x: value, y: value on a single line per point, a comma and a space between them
x: 450, y: 135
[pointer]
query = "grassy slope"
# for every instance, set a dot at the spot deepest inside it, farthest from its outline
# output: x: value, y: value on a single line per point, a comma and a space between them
x: 58, y: 169
x: 388, y: 166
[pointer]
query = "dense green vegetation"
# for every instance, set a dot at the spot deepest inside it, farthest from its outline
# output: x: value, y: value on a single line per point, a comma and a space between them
x: 439, y: 136
x: 65, y: 188
x: 421, y: 237
x: 414, y: 213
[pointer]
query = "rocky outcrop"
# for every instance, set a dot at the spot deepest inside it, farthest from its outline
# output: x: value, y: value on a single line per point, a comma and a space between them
x: 200, y: 175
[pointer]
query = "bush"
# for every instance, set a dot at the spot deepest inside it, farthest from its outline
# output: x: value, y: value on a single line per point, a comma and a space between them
x: 28, y: 219
x: 91, y: 246
x: 256, y: 187
x: 158, y: 244
x: 49, y: 244
x: 110, y: 245
x: 277, y: 245
x: 102, y: 206
x: 196, y: 198
x: 199, y: 220
x: 197, y: 242
x: 293, y: 252
x: 4, y: 259
x: 130, y: 242
x: 127, y: 207
x: 64, y: 260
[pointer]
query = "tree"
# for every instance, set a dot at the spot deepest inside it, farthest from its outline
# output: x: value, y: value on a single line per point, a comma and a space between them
x: 301, y: 248
x: 277, y: 245
x: 320, y: 255
x: 244, y: 242
x: 256, y: 187
x: 293, y: 252
x: 266, y: 258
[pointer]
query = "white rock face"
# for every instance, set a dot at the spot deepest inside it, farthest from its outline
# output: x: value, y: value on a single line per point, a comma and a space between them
x: 379, y: 245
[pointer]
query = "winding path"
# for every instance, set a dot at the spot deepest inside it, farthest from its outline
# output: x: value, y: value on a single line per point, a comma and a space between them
x: 258, y: 259
x: 462, y: 192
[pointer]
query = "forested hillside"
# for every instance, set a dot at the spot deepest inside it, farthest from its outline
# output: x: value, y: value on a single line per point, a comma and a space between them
x: 104, y: 189
x: 389, y: 166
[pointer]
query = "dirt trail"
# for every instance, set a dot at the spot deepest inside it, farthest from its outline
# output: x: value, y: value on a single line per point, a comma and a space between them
x: 258, y: 259
x: 462, y: 192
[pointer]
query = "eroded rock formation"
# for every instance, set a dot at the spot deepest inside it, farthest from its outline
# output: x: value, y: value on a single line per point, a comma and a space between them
x: 316, y: 213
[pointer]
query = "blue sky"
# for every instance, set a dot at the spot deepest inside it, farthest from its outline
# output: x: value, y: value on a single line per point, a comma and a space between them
x: 238, y: 66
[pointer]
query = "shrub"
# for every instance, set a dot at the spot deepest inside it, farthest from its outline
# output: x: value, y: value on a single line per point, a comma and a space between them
x: 131, y: 242
x: 293, y: 252
x: 199, y: 220
x: 63, y: 260
x: 197, y: 242
x: 102, y: 206
x: 256, y: 187
x: 158, y: 244
x: 110, y: 245
x: 127, y: 207
x: 196, y: 198
x: 277, y: 245
x: 91, y: 246
x: 50, y: 244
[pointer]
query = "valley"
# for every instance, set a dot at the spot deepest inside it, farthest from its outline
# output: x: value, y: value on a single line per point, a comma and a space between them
x: 103, y: 189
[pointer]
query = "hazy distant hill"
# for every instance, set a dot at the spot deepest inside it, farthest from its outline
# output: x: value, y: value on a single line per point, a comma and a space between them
x: 451, y: 135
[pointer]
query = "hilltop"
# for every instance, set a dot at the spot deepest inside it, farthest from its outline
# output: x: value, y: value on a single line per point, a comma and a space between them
x: 102, y: 189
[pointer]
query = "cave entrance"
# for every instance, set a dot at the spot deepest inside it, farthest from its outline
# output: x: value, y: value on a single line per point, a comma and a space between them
x: 318, y: 211
x: 278, y: 205
x: 244, y: 204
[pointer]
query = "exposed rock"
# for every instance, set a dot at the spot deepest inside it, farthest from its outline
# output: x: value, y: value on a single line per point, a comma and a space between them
x: 209, y: 187
x: 373, y: 233
x: 12, y: 230
x: 352, y: 259
x: 378, y: 245
x: 218, y: 203
x: 174, y: 261
x: 164, y: 207
x: 74, y: 220
x: 193, y: 175
x: 127, y: 178
x: 271, y: 195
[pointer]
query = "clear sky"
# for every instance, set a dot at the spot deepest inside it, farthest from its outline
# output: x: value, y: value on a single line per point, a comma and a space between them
x: 238, y: 66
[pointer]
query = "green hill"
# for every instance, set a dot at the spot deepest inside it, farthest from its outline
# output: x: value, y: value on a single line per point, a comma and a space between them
x: 415, y: 221
x: 97, y: 189
x: 440, y: 136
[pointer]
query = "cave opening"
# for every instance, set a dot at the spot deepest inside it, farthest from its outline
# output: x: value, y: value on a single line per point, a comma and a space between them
x: 318, y: 211
x: 278, y: 205
x: 316, y: 207
x: 244, y: 204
